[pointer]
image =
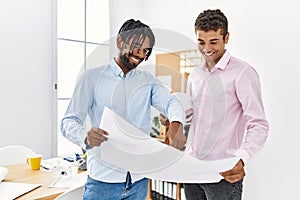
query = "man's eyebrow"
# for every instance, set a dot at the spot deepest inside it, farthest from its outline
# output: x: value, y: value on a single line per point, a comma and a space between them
x: 213, y: 40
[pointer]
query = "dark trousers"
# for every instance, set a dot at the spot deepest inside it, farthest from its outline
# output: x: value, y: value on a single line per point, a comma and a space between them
x: 214, y: 191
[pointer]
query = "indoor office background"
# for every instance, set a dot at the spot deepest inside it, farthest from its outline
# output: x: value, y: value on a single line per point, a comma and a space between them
x: 82, y: 28
x: 263, y: 33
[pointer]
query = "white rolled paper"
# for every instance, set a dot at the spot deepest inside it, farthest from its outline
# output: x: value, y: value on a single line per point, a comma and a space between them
x: 3, y: 173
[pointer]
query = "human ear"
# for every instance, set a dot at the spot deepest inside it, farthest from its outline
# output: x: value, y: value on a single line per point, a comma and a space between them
x: 119, y: 42
x: 226, y: 38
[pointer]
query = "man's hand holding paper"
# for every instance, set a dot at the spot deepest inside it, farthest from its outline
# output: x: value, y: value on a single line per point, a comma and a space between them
x: 175, y: 136
x: 95, y: 137
x: 235, y: 174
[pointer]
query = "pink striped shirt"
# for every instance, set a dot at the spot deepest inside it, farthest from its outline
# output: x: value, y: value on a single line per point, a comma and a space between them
x: 228, y: 114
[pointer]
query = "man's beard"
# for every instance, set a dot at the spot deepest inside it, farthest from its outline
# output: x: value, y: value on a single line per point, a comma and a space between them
x: 125, y: 61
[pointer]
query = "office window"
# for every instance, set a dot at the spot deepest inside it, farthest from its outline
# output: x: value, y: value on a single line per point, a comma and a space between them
x: 83, y: 32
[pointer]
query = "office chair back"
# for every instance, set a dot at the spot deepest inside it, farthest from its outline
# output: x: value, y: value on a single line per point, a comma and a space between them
x: 72, y: 194
x: 14, y: 154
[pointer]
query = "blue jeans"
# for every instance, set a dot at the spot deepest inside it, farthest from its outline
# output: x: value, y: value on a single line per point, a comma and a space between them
x: 214, y: 191
x: 95, y: 190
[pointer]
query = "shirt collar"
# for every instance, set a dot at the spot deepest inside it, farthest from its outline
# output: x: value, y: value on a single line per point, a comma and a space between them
x: 118, y: 71
x: 222, y: 63
x: 115, y: 68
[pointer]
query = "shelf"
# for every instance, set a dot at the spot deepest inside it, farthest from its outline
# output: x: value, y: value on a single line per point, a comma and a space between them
x: 158, y: 190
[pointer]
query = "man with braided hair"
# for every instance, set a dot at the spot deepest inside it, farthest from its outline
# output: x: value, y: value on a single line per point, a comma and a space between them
x: 228, y: 114
x: 130, y: 93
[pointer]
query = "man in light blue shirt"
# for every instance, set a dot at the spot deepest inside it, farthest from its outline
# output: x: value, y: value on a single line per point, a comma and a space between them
x: 130, y: 93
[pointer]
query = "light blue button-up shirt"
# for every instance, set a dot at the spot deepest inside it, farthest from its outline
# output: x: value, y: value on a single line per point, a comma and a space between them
x: 130, y: 96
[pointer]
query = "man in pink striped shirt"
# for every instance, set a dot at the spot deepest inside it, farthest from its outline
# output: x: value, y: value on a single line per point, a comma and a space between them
x: 228, y: 114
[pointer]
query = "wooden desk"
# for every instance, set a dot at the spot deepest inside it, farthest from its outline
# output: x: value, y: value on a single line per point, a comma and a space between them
x: 22, y: 173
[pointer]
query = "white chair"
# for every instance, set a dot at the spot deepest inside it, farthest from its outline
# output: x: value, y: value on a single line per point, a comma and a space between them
x: 72, y: 194
x: 14, y: 154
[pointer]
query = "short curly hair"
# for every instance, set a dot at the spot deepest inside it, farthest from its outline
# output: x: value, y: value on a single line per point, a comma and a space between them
x: 212, y: 20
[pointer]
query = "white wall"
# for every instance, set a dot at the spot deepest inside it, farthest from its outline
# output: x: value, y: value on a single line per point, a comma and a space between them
x: 26, y: 108
x: 120, y: 11
x: 265, y: 34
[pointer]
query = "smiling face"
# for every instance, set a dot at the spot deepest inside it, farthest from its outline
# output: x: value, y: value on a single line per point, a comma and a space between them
x: 131, y: 54
x: 211, y: 44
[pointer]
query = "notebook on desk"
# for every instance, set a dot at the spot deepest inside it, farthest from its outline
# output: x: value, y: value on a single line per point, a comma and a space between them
x: 11, y: 190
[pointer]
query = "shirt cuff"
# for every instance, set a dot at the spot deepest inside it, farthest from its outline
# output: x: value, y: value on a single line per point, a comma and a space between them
x: 243, y: 154
x: 177, y: 119
x: 82, y: 138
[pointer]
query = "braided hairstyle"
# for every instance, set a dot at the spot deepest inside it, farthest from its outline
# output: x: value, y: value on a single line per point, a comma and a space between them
x: 212, y: 20
x: 137, y: 31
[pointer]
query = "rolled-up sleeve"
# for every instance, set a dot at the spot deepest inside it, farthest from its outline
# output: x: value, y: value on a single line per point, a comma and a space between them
x: 167, y: 103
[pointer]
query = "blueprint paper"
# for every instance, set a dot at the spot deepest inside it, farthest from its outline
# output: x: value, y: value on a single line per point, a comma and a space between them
x: 131, y: 149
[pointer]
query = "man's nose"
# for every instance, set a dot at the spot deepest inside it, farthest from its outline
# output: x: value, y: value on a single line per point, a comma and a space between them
x: 206, y: 48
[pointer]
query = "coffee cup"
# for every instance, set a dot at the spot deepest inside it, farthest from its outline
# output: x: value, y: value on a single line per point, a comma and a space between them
x: 34, y: 161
